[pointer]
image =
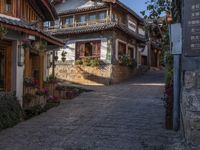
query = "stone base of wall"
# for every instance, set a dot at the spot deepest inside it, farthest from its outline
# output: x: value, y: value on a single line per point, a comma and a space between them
x: 102, y: 75
x: 190, y: 107
x: 121, y: 73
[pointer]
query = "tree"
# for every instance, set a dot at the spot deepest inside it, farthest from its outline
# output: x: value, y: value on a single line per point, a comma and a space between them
x: 157, y: 26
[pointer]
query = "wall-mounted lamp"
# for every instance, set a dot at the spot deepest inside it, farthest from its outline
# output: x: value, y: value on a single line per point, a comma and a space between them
x: 20, y: 57
x: 49, y: 60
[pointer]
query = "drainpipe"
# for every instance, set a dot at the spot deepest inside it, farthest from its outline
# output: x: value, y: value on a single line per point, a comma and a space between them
x: 53, y: 64
x: 176, y: 49
x: 176, y: 91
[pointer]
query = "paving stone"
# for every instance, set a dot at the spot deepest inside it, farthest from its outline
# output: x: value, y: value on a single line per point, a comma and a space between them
x: 126, y: 116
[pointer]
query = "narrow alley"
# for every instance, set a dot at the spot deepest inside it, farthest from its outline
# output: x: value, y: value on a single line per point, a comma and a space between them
x: 126, y: 116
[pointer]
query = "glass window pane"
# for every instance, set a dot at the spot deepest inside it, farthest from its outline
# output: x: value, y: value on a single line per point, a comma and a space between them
x: 92, y: 17
x: 102, y: 15
x: 8, y: 5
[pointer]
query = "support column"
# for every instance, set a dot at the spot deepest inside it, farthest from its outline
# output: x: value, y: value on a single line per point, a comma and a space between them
x: 176, y: 101
x: 27, y: 62
x: 41, y: 69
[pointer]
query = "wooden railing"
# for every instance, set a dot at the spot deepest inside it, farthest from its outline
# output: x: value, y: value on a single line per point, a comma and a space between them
x: 79, y: 24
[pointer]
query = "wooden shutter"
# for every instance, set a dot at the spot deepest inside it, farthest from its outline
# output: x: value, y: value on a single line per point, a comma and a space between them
x: 80, y: 50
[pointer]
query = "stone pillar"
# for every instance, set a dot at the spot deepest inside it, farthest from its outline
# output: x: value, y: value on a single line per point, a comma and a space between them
x: 190, y: 106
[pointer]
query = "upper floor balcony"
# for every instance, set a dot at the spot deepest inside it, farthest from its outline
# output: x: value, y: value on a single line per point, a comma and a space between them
x: 92, y: 22
x: 53, y: 26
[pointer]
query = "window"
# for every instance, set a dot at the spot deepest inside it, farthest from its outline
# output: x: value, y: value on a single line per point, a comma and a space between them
x: 132, y: 25
x: 2, y: 69
x: 82, y: 20
x: 88, y: 49
x: 131, y: 52
x: 102, y: 15
x: 69, y: 21
x: 8, y: 6
x: 92, y: 17
x: 121, y: 49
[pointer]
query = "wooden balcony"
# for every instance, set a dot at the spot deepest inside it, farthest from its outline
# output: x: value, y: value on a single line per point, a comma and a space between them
x: 78, y: 25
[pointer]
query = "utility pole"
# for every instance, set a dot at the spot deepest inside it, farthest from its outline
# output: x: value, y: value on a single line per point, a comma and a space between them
x: 176, y: 50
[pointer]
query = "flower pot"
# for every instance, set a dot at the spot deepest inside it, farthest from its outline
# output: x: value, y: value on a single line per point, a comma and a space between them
x: 56, y: 58
x: 63, y: 59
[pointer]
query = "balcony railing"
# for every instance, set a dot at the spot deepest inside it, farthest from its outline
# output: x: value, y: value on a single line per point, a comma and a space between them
x: 78, y: 24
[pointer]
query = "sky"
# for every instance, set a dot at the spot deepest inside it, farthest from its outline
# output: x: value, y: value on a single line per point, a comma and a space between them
x: 136, y: 5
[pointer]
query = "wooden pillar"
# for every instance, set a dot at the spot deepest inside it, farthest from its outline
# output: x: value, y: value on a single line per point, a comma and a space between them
x: 158, y: 60
x: 53, y: 65
x: 8, y: 81
x: 27, y: 62
x: 41, y: 69
x: 111, y: 12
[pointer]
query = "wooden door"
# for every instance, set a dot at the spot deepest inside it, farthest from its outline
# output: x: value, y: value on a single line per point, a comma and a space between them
x: 8, y: 81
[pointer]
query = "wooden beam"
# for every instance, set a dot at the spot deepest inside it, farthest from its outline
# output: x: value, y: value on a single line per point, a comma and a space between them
x: 36, y: 33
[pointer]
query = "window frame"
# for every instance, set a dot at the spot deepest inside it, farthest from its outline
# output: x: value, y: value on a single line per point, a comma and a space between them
x: 81, y: 45
x: 11, y: 7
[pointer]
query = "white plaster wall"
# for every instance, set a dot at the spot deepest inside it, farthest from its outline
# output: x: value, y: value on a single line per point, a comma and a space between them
x: 145, y: 51
x: 75, y: 4
x: 141, y: 31
x: 104, y: 49
x: 70, y: 49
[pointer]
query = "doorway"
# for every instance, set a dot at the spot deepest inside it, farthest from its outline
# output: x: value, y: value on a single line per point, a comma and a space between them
x: 5, y: 65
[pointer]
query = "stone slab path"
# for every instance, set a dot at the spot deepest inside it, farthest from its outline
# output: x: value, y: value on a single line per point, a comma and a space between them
x: 126, y: 116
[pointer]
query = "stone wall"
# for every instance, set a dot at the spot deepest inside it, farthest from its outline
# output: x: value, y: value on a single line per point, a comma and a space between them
x: 190, y: 107
x: 102, y: 75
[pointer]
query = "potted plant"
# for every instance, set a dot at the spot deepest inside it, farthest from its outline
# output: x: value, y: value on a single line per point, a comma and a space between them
x: 56, y: 58
x: 26, y: 43
x: 43, y: 45
x: 36, y: 45
x: 3, y: 32
x: 63, y: 54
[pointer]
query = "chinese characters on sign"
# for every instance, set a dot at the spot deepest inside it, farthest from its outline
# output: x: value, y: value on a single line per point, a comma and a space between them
x: 191, y: 27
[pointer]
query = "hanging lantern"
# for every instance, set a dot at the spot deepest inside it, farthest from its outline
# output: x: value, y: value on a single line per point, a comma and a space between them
x: 169, y: 18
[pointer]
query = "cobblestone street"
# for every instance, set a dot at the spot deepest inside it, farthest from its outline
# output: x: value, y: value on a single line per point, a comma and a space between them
x: 126, y: 116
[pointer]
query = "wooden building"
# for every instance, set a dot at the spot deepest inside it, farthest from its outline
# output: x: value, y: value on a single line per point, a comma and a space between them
x: 99, y: 29
x: 23, y: 42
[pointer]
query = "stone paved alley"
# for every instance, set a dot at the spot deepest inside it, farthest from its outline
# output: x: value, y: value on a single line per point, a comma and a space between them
x: 126, y: 116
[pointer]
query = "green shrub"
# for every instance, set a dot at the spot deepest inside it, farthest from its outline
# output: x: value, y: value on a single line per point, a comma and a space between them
x: 124, y: 60
x: 87, y: 61
x: 10, y: 110
x: 168, y: 68
x: 78, y: 62
x: 94, y: 62
x: 33, y: 111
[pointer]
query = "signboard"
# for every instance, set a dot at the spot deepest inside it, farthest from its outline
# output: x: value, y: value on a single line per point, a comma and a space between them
x: 176, y: 38
x: 191, y: 28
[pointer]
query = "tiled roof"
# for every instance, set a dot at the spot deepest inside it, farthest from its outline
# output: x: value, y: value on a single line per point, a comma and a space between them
x: 70, y: 11
x: 96, y: 28
x: 130, y: 10
x: 103, y: 5
x: 17, y: 24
